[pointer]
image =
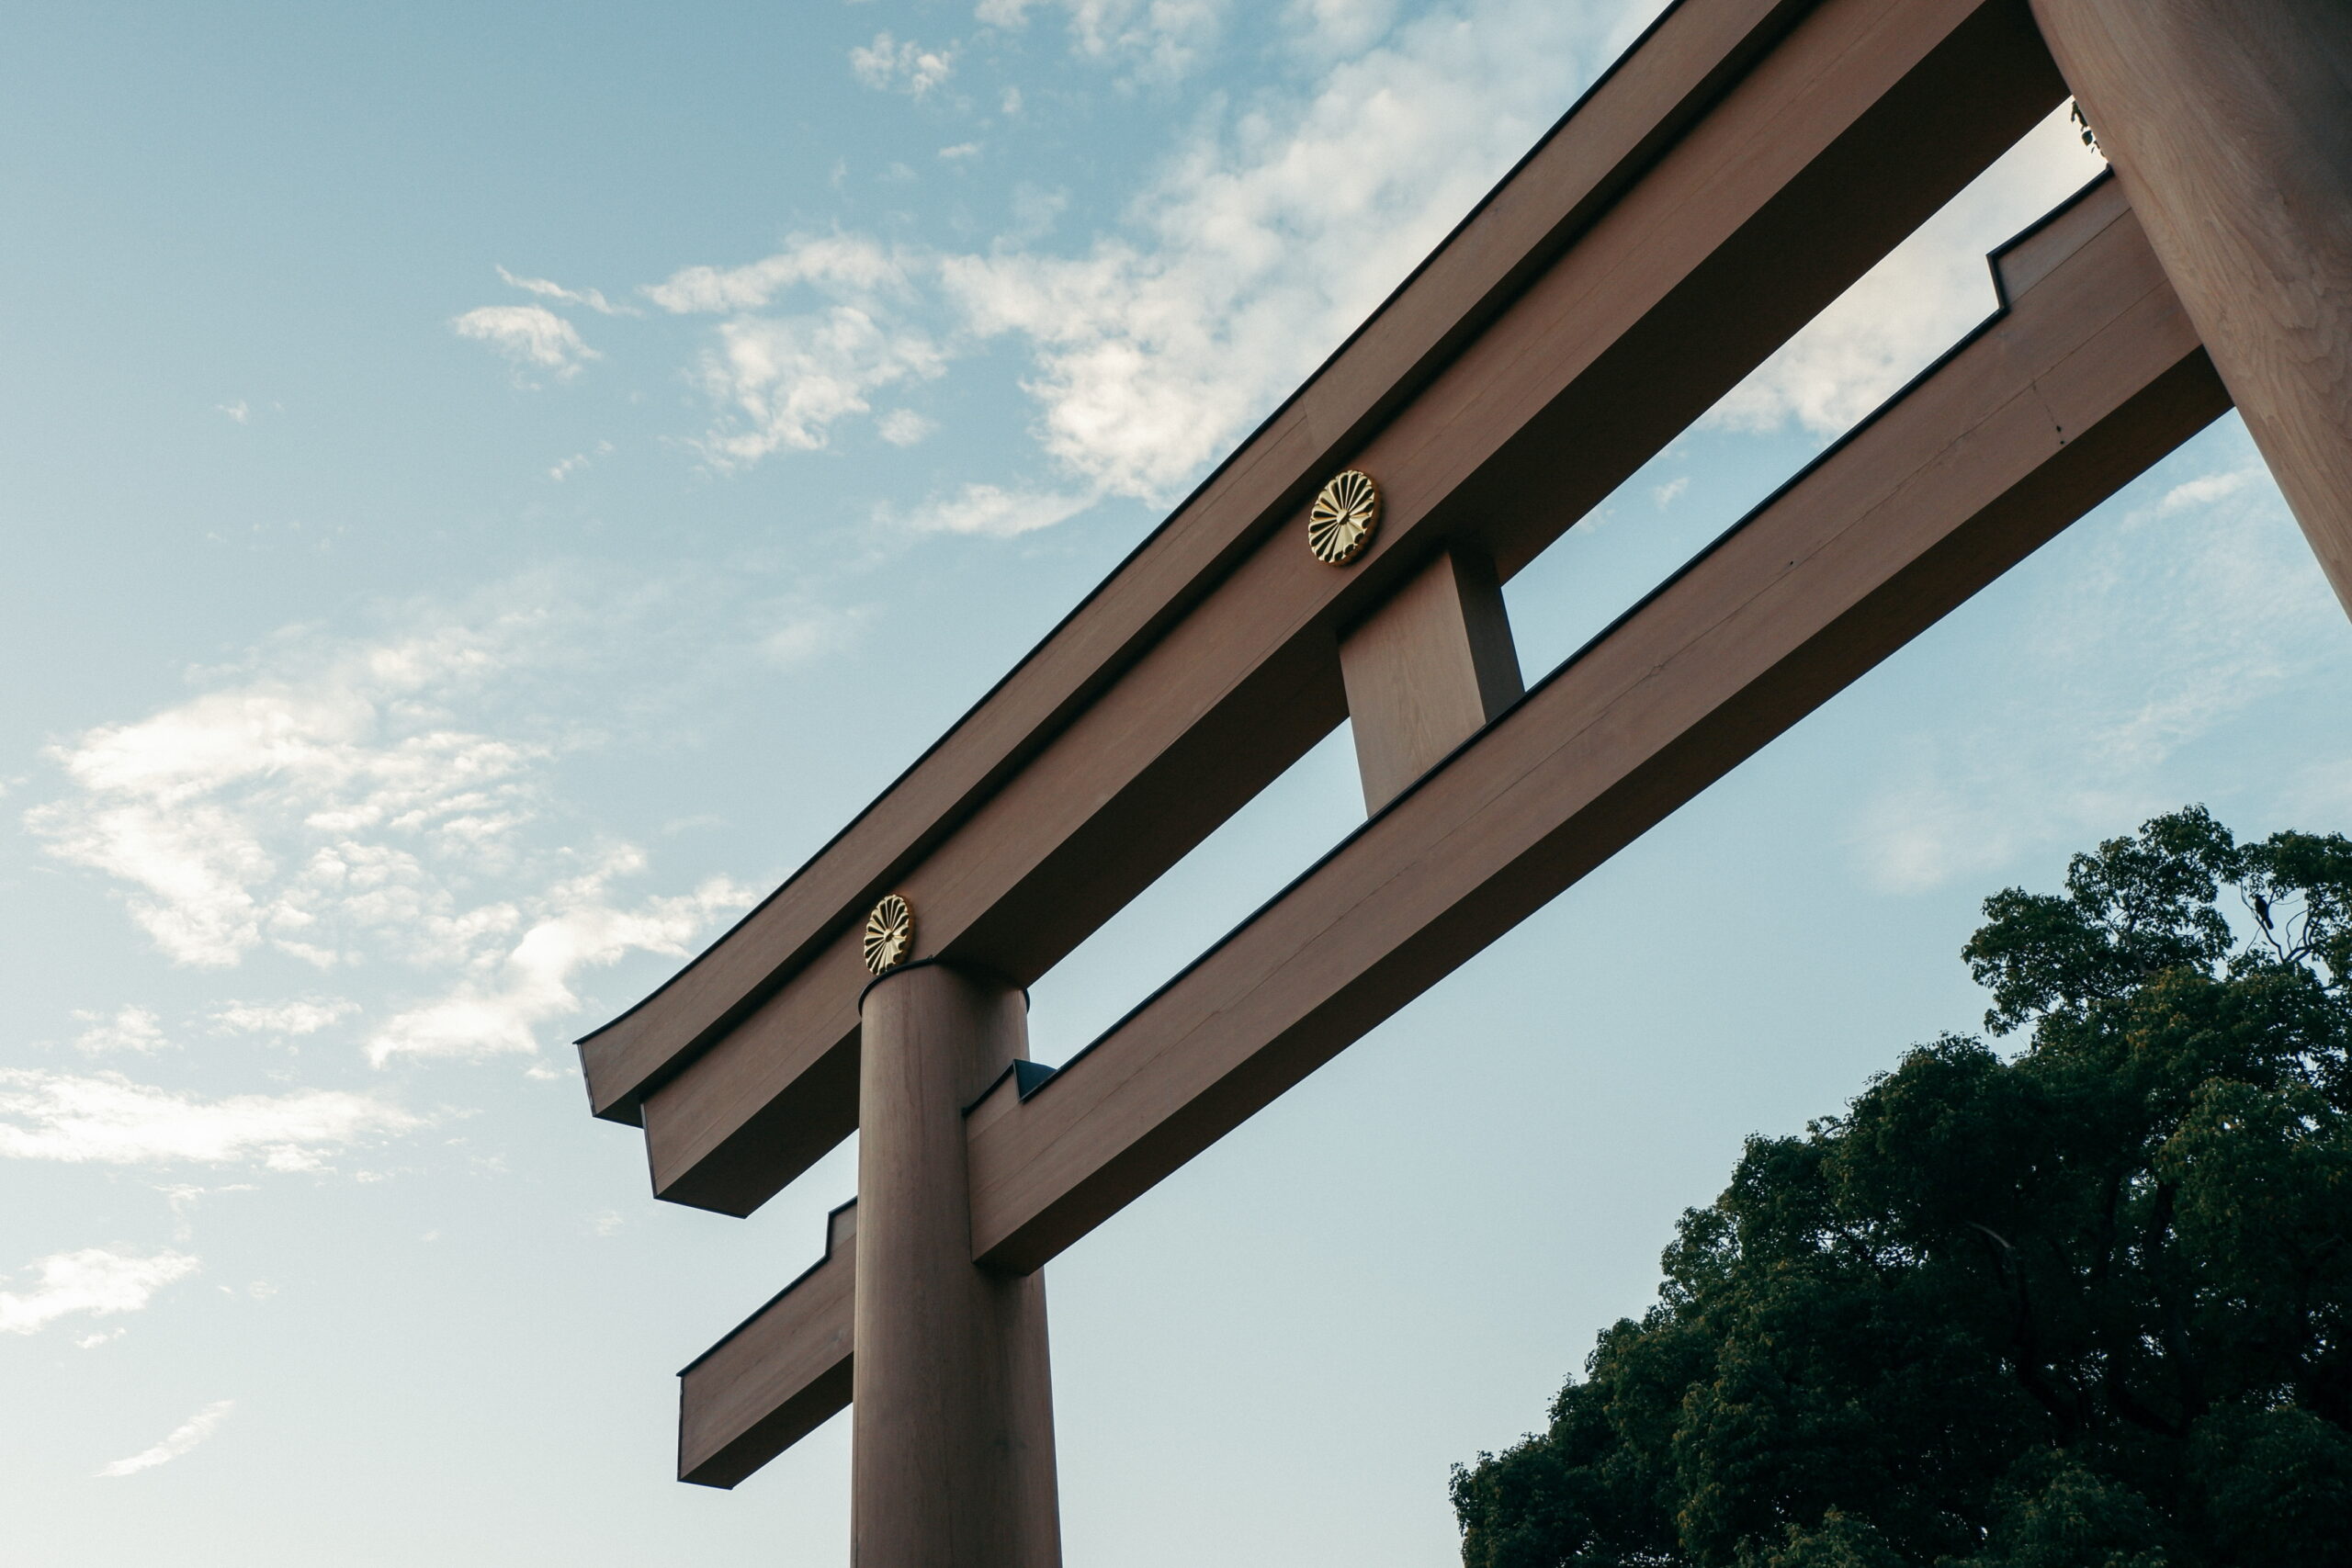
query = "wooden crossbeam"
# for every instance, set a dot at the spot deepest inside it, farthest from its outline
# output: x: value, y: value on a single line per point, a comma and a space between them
x: 782, y: 1374
x: 1662, y: 85
x: 1641, y: 263
x: 2090, y: 373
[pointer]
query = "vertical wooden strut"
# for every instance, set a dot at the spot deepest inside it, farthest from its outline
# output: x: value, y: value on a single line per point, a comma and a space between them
x: 2230, y: 124
x: 1426, y: 670
x: 953, y: 1436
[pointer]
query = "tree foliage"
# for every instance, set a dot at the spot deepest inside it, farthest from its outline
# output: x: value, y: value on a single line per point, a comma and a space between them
x: 2083, y: 1306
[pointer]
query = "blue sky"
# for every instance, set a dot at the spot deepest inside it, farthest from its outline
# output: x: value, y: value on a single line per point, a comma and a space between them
x: 489, y: 491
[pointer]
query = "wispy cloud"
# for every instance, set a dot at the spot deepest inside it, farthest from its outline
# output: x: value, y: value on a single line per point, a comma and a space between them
x: 1160, y: 39
x: 997, y: 512
x: 247, y: 815
x: 497, y: 1006
x: 186, y: 1436
x: 528, y: 336
x: 546, y: 288
x: 93, y: 1282
x: 1269, y: 234
x: 791, y: 380
x: 106, y: 1119
x: 335, y: 806
x: 848, y: 265
x: 288, y: 1019
x: 130, y: 1029
x: 886, y: 63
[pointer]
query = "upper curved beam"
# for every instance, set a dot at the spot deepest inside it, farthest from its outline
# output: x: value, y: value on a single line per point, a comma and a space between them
x: 1734, y: 174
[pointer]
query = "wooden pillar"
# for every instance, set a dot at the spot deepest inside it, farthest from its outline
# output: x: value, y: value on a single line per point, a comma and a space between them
x: 952, y: 1402
x: 2230, y: 124
x: 1426, y: 670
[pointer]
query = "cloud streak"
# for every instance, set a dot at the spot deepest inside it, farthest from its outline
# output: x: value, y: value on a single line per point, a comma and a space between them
x: 529, y: 336
x: 93, y: 1283
x: 184, y: 1436
x: 106, y: 1119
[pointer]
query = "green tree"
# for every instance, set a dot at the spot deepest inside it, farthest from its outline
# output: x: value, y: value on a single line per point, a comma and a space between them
x: 2083, y: 1306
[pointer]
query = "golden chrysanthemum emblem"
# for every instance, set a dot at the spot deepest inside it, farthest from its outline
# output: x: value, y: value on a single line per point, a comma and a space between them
x: 1343, y: 517
x: 889, y: 934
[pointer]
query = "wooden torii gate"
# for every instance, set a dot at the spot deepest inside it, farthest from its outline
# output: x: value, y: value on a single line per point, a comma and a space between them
x: 1743, y: 164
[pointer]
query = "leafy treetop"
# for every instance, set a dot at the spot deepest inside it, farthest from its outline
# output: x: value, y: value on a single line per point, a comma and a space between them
x: 2084, y: 1306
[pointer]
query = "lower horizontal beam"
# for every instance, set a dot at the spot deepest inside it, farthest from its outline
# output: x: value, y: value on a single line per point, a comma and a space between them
x: 782, y: 1374
x: 2093, y: 373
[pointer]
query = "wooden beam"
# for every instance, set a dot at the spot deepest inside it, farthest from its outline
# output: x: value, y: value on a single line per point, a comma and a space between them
x: 782, y: 1374
x: 1427, y: 671
x: 2090, y: 377
x: 1663, y: 84
x: 2230, y: 123
x: 2093, y: 374
x: 1836, y: 144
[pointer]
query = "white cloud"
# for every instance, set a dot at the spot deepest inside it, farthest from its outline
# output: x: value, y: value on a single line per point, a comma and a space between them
x: 846, y: 266
x: 962, y: 150
x: 1666, y: 494
x: 186, y: 1436
x: 790, y: 380
x: 1270, y: 235
x: 997, y: 512
x: 130, y: 1029
x: 106, y: 1119
x: 886, y: 63
x: 528, y: 336
x: 1161, y: 37
x: 546, y: 288
x: 93, y: 1280
x: 1915, y: 303
x: 496, y: 1007
x: 1266, y: 240
x: 240, y: 412
x: 784, y: 381
x: 298, y: 1016
x: 2207, y: 489
x: 1341, y: 26
x: 333, y: 806
x: 903, y: 427
x: 243, y: 816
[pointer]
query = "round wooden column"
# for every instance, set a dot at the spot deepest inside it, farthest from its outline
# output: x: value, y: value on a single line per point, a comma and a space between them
x: 952, y: 1402
x: 2230, y: 124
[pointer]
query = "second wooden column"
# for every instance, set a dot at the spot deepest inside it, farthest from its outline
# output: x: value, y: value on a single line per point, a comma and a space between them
x: 2230, y: 124
x: 952, y: 1401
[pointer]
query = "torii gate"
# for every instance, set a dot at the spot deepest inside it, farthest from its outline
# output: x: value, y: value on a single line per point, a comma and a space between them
x: 1743, y: 164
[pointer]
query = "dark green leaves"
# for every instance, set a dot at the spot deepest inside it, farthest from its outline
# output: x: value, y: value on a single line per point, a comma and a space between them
x: 2088, y: 1305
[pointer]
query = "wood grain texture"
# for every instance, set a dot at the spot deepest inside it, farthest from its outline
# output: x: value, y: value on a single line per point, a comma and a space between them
x: 2093, y: 373
x: 952, y: 1407
x: 1426, y: 670
x: 2230, y: 123
x: 780, y: 1375
x: 1727, y: 242
x: 1663, y: 84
